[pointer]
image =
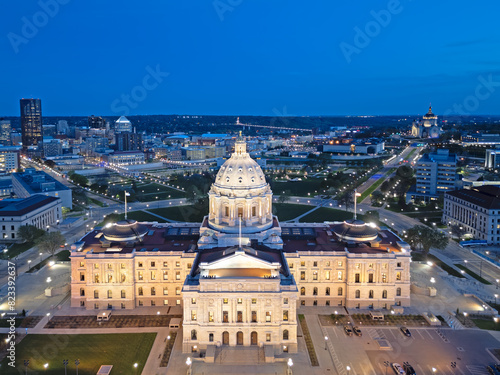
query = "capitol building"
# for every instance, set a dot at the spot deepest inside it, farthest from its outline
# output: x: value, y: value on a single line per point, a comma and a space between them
x: 240, y: 276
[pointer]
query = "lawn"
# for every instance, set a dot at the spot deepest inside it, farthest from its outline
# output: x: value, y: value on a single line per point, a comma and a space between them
x: 288, y: 211
x: 299, y: 188
x: 188, y: 213
x: 326, y: 214
x: 473, y: 274
x: 487, y: 324
x: 62, y: 256
x: 119, y: 350
x: 19, y: 248
x: 96, y: 202
x: 171, y: 194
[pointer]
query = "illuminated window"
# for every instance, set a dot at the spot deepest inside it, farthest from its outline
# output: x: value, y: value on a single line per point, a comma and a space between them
x: 165, y: 264
x: 177, y: 264
x: 178, y: 275
x: 384, y: 277
x: 240, y: 301
x: 177, y: 291
x: 140, y: 291
x: 96, y: 266
x: 358, y: 266
x: 302, y: 275
x: 165, y: 275
x: 339, y: 263
x: 285, y: 301
x: 122, y: 266
x: 268, y: 316
x: 211, y: 316
x: 302, y: 264
x: 285, y: 315
x: 327, y: 264
x: 398, y: 276
x: 82, y: 264
x: 96, y: 278
x: 193, y: 301
x: 327, y: 275
x: 384, y: 294
x: 315, y: 275
x: 140, y: 275
x: 268, y: 337
x: 123, y: 294
x: 302, y: 291
x: 165, y: 291
x: 193, y: 314
x: 339, y: 275
x: 153, y: 275
x: 254, y: 301
x: 110, y: 294
x: 153, y: 291
x: 123, y: 278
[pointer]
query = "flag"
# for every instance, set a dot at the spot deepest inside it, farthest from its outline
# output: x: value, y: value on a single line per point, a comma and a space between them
x: 127, y: 194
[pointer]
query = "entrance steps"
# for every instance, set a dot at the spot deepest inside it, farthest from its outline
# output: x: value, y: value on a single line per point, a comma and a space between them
x: 239, y: 355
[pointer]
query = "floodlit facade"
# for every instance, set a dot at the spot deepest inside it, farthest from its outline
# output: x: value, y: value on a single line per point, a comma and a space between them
x: 427, y: 127
x: 241, y: 275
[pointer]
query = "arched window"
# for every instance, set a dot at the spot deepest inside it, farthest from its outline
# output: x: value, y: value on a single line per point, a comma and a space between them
x: 358, y: 293
x: 339, y: 291
x: 370, y: 294
x: 110, y: 294
x: 315, y: 291
x: 327, y: 292
x: 384, y: 294
x: 302, y: 291
x: 285, y: 334
x: 398, y: 292
x: 193, y: 335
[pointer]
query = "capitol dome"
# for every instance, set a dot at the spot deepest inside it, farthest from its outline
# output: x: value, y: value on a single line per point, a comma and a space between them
x: 355, y: 231
x: 240, y: 193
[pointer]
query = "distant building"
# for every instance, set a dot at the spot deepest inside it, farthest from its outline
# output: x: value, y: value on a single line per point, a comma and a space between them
x: 38, y: 210
x: 5, y: 186
x: 95, y: 143
x: 32, y: 182
x: 16, y: 139
x: 49, y: 130
x: 9, y: 159
x: 435, y: 174
x: 427, y: 127
x: 62, y: 127
x: 203, y: 152
x: 5, y: 130
x: 123, y: 125
x: 126, y: 141
x: 492, y: 159
x: 96, y: 122
x: 170, y: 153
x: 482, y: 139
x: 476, y: 210
x: 52, y: 147
x: 31, y: 122
x: 372, y: 147
x: 124, y: 157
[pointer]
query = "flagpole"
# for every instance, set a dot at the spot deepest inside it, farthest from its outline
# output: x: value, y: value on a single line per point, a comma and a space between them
x: 355, y: 194
x: 240, y: 232
x: 125, y: 204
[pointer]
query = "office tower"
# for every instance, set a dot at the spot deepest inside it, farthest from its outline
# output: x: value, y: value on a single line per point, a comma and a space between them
x: 31, y: 122
x: 5, y: 132
x: 123, y: 125
x: 129, y: 142
x: 96, y: 122
x: 62, y: 127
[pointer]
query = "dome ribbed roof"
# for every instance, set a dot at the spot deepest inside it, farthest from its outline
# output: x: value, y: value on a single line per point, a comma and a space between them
x: 124, y: 230
x: 355, y: 230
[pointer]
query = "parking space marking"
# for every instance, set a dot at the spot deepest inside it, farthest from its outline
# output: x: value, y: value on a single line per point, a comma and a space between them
x: 335, y: 332
x: 455, y: 370
x: 421, y: 336
x: 392, y: 333
x: 477, y: 370
x: 421, y: 369
x: 429, y: 334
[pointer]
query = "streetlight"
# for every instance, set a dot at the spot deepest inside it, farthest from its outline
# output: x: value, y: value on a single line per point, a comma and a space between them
x: 46, y: 366
x: 189, y: 362
x: 496, y: 296
x: 434, y: 370
x: 497, y: 280
x: 135, y: 366
x: 65, y: 363
x: 326, y: 341
x: 290, y: 364
x: 26, y: 364
x: 348, y: 368
x: 386, y: 364
x: 77, y: 362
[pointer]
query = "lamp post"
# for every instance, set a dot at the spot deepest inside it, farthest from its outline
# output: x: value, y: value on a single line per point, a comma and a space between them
x: 496, y: 296
x: 326, y: 342
x: 188, y: 363
x: 434, y: 370
x: 65, y: 363
x: 135, y: 366
x: 290, y: 364
x: 77, y: 362
x: 497, y: 280
x: 348, y: 368
x: 386, y: 364
x: 26, y: 364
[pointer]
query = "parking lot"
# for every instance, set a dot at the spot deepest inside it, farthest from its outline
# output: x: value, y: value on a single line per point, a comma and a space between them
x: 427, y: 348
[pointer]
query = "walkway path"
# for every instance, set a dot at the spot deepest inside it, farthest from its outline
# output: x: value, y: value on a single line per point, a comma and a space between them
x: 161, y: 217
x: 296, y: 220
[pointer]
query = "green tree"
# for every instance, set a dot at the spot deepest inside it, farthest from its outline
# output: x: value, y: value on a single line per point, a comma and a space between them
x: 50, y: 242
x: 458, y: 231
x: 78, y: 179
x: 377, y: 197
x: 284, y: 197
x: 29, y: 233
x: 423, y: 238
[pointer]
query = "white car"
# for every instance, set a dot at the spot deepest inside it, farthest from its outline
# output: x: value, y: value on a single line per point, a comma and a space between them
x: 398, y: 369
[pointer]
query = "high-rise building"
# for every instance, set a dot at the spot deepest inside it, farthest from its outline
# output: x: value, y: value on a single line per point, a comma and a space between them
x: 62, y: 126
x: 129, y: 142
x: 492, y: 158
x: 96, y: 122
x: 31, y: 122
x: 5, y: 132
x: 9, y: 159
x: 123, y: 125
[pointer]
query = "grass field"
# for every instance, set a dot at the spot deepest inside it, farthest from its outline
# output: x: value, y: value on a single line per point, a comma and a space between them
x: 473, y: 274
x: 375, y: 185
x: 299, y: 188
x: 326, y: 214
x: 487, y: 324
x: 119, y: 350
x: 288, y: 211
x: 62, y: 256
x: 188, y: 213
x: 19, y: 248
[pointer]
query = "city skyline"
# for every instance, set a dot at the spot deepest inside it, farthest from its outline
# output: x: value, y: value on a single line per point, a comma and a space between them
x: 255, y: 58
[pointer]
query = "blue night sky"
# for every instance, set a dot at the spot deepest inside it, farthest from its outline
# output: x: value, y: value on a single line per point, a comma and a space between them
x: 256, y: 57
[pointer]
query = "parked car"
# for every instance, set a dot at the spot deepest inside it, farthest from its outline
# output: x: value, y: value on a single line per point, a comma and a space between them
x: 357, y: 331
x: 408, y: 369
x: 398, y: 369
x: 405, y: 331
x: 348, y: 330
x: 490, y: 370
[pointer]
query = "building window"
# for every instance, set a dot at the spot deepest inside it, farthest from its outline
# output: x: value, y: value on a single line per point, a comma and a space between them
x: 82, y: 292
x: 254, y: 316
x: 225, y: 317
x: 384, y: 277
x: 302, y: 263
x: 82, y: 276
x: 398, y: 265
x: 302, y: 291
x: 339, y: 263
x: 240, y: 301
x: 193, y: 301
x: 140, y: 291
x: 178, y: 302
x: 211, y: 337
x: 153, y: 291
x: 96, y: 306
x: 165, y: 302
x: 110, y: 294
x: 339, y: 291
x: 315, y: 275
x: 370, y: 277
x: 327, y: 291
x: 225, y: 301
x: 315, y: 264
x: 122, y: 266
x: 123, y: 294
x: 140, y: 265
x: 357, y: 266
x: 398, y: 276
x: 285, y: 315
x: 268, y: 337
x: 356, y: 278
x: 384, y: 294
x: 178, y: 275
x: 327, y: 275
x: 188, y: 266
x: 358, y: 293
x: 165, y: 291
x: 123, y: 277
x: 254, y: 301
x: 122, y: 305
x: 153, y: 264
x: 193, y: 334
x: 370, y: 294
x: 165, y: 275
x: 327, y: 263
x: 285, y: 334
x: 165, y: 264
x: 302, y: 275
x: 153, y: 275
x: 82, y: 264
x: 339, y: 275
x: 211, y: 316
x: 398, y: 292
x: 177, y: 291
x: 140, y: 275
x: 110, y: 278
x: 96, y: 294
x: 268, y: 316
x: 153, y: 303
x: 239, y: 316
x: 110, y: 266
x: 285, y: 301
x: 96, y: 278
x: 193, y: 315
x: 177, y: 264
x: 315, y: 302
x: 291, y: 265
